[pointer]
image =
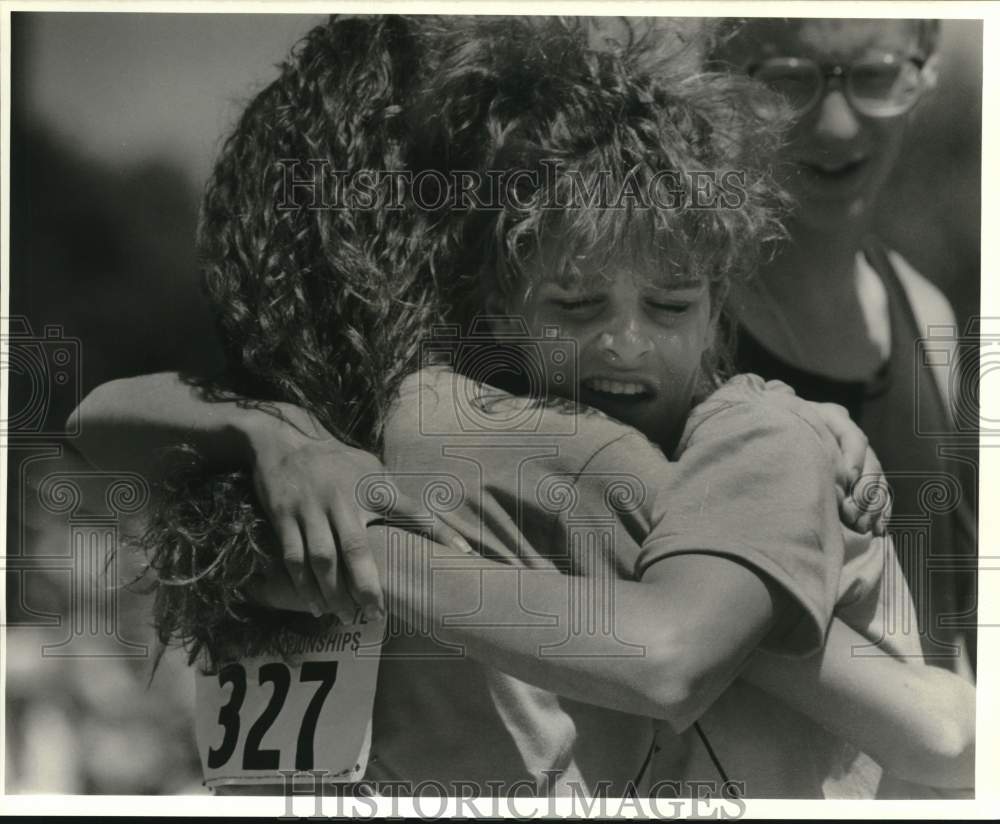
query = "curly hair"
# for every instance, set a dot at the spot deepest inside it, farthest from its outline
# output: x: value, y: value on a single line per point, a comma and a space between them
x: 324, y: 308
x: 327, y: 308
x: 299, y: 291
x: 529, y: 93
x: 614, y: 103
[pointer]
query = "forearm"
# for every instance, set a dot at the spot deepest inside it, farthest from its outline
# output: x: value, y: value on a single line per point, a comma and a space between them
x: 638, y: 647
x: 518, y: 620
x: 127, y: 424
x: 916, y: 721
x: 632, y: 652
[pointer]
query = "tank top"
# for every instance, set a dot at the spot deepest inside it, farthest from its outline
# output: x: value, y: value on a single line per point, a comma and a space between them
x: 901, y: 410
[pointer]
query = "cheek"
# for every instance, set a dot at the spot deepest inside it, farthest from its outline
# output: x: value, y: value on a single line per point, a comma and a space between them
x: 887, y: 138
x: 579, y: 340
x: 680, y: 351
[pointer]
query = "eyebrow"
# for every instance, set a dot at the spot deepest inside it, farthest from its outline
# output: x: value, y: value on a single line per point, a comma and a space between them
x: 671, y: 285
x: 679, y: 283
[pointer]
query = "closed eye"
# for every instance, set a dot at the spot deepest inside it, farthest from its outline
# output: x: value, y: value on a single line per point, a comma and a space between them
x: 674, y: 301
x: 578, y: 303
x: 675, y: 307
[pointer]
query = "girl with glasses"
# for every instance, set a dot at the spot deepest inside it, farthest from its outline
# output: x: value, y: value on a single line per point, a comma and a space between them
x: 840, y: 317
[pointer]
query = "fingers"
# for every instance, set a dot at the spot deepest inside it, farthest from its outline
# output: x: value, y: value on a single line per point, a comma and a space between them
x: 867, y: 506
x: 360, y: 570
x: 859, y: 518
x: 294, y: 556
x: 444, y: 534
x: 879, y: 495
x: 859, y: 473
x: 310, y: 496
x: 436, y: 529
x: 852, y: 441
x: 323, y: 563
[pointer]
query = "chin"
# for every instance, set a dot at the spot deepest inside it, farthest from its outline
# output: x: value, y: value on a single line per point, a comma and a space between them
x: 831, y: 217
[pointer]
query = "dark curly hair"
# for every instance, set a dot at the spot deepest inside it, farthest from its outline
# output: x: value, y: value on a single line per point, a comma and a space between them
x: 327, y: 308
x: 299, y: 292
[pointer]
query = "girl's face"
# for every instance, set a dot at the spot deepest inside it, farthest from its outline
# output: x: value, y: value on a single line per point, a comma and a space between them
x: 639, y: 346
x: 837, y: 157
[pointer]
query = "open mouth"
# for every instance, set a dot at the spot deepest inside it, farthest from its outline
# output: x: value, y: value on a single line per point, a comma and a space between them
x: 839, y: 170
x: 619, y: 390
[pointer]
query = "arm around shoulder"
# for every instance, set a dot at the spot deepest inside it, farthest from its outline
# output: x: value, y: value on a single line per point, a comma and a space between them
x: 646, y: 660
x: 129, y: 422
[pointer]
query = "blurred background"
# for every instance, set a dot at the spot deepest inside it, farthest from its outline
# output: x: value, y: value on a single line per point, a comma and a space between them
x: 116, y: 119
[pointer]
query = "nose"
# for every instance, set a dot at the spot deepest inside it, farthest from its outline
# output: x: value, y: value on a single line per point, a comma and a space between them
x: 626, y: 345
x: 835, y: 119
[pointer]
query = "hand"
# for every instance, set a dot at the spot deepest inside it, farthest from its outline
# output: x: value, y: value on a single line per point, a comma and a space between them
x: 306, y: 481
x: 864, y: 497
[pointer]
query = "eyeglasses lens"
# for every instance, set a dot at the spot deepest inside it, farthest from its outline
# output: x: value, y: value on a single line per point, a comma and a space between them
x: 796, y: 81
x: 884, y: 87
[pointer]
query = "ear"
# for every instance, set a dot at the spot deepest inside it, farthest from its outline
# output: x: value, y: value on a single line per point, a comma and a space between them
x: 931, y: 71
x: 711, y: 334
x: 929, y: 77
x: 716, y: 307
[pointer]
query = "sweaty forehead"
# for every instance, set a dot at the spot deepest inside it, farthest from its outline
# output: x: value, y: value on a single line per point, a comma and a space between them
x: 820, y: 39
x: 642, y: 278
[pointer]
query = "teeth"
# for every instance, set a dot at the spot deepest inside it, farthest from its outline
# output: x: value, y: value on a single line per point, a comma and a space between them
x: 616, y: 387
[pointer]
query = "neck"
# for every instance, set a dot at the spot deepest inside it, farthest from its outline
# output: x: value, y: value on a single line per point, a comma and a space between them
x: 814, y: 266
x: 806, y: 307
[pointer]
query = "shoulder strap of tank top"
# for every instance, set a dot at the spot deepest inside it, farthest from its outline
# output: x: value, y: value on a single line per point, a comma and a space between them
x: 899, y: 302
x: 904, y: 326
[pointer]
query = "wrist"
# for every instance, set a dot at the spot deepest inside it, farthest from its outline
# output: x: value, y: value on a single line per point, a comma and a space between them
x: 278, y: 427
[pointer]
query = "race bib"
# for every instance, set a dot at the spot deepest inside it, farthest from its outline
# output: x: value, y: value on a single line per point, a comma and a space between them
x: 260, y: 719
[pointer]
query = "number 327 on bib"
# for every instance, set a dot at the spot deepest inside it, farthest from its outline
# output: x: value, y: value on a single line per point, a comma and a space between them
x: 260, y: 719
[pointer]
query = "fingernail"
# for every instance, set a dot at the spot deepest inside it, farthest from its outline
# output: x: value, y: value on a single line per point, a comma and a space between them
x: 316, y: 609
x: 374, y: 612
x: 459, y: 543
x: 345, y: 616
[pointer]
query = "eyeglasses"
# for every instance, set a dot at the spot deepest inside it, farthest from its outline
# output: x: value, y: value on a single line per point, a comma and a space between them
x: 885, y: 86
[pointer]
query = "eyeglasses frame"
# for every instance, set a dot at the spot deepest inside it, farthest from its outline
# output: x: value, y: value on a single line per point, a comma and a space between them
x: 841, y: 72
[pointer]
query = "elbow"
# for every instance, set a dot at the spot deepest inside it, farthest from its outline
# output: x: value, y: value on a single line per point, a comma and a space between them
x: 958, y: 743
x: 73, y: 425
x: 947, y: 745
x: 89, y: 412
x: 953, y: 749
x: 670, y: 699
x: 955, y: 735
x: 676, y: 689
x: 87, y: 425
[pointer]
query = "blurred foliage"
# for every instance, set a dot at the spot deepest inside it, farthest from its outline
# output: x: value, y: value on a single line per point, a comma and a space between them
x: 107, y: 255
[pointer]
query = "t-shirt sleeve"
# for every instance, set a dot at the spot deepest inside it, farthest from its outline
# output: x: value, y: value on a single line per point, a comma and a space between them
x: 754, y: 483
x: 509, y: 490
